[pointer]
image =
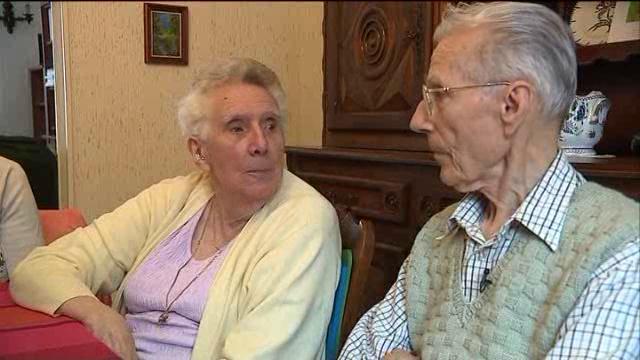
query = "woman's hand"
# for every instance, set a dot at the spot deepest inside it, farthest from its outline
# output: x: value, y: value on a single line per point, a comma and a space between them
x: 103, y: 322
x: 400, y: 355
x: 111, y: 328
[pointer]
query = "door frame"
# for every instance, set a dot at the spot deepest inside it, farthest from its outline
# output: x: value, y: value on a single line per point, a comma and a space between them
x: 63, y: 141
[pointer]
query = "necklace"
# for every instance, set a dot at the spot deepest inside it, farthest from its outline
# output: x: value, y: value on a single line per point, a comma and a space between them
x: 162, y: 319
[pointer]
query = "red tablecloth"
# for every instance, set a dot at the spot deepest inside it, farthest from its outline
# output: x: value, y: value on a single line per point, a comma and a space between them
x: 27, y: 334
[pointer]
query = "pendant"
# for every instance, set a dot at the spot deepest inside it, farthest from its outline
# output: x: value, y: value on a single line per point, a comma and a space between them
x: 163, y: 318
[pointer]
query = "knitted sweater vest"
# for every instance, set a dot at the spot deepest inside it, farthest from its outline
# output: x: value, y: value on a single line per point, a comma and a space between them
x: 532, y: 291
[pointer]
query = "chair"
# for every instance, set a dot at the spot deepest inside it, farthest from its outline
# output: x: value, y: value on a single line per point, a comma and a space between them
x: 358, y: 242
x: 56, y: 223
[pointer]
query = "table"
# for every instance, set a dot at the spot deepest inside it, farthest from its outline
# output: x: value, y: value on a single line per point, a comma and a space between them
x: 28, y: 334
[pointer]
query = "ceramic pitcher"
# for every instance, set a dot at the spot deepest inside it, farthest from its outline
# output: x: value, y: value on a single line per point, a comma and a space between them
x: 584, y: 126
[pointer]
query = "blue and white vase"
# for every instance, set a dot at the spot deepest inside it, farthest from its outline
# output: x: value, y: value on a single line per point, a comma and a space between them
x: 584, y: 126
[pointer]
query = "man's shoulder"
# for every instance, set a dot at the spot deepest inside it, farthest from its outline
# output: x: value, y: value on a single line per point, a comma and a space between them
x: 437, y: 225
x: 592, y: 189
x: 600, y: 218
x: 604, y: 203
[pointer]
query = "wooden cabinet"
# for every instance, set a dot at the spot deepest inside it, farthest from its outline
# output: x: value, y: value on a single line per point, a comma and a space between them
x: 376, y: 54
x: 373, y: 51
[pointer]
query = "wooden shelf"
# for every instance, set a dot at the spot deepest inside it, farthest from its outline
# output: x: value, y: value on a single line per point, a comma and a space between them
x: 621, y: 167
x: 619, y: 51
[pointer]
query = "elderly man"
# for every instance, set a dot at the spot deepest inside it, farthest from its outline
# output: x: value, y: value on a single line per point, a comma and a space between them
x: 535, y: 261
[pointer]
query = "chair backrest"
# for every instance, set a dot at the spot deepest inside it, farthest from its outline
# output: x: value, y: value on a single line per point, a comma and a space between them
x: 358, y: 242
x: 57, y: 223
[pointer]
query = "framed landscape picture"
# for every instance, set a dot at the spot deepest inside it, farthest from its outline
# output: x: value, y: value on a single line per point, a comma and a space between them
x: 166, y: 32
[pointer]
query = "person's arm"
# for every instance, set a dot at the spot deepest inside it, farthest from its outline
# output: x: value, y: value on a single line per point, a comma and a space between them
x: 384, y: 328
x: 62, y: 278
x: 291, y: 289
x: 19, y: 223
x: 89, y: 259
x: 605, y: 322
x: 104, y: 323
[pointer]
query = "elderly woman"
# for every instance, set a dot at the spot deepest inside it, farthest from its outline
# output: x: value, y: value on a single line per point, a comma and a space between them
x: 19, y: 224
x: 238, y: 260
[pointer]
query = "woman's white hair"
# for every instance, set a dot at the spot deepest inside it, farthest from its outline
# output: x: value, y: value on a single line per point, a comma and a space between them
x: 527, y: 41
x: 194, y: 110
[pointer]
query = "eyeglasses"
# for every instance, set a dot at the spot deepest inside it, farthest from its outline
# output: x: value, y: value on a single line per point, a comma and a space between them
x: 429, y: 98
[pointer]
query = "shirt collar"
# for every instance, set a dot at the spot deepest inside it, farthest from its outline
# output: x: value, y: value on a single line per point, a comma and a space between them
x: 543, y: 210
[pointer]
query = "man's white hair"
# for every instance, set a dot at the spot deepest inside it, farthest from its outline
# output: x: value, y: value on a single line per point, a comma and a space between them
x: 526, y: 41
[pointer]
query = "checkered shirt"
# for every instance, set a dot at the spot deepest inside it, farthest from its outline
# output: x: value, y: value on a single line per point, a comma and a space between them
x: 604, y: 323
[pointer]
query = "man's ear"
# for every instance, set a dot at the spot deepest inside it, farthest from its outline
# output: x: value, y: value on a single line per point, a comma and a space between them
x: 516, y: 105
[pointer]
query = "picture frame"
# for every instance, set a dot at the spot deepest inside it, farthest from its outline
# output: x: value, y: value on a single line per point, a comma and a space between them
x: 626, y: 22
x: 166, y: 34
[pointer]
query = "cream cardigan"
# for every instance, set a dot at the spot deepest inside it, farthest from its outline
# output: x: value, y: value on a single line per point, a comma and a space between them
x: 271, y: 299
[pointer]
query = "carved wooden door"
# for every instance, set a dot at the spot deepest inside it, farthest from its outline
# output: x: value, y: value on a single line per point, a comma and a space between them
x: 375, y: 55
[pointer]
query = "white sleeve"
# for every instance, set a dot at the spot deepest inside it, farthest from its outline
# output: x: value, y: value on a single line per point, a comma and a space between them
x: 383, y: 328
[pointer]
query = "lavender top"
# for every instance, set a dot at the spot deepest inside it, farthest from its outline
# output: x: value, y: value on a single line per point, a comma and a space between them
x: 146, y: 290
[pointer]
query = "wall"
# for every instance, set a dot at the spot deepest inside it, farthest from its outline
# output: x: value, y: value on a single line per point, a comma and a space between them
x: 18, y: 53
x: 120, y: 112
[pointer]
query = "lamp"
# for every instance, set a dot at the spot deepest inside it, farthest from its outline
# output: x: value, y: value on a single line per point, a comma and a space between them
x: 9, y: 20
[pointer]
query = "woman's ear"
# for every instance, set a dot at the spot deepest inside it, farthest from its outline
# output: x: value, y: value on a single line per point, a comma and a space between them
x: 516, y: 105
x: 196, y: 149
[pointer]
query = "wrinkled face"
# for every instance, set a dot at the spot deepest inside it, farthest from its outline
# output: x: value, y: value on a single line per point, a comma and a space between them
x: 244, y: 149
x: 464, y: 131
